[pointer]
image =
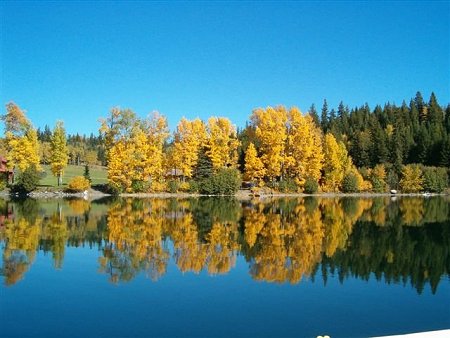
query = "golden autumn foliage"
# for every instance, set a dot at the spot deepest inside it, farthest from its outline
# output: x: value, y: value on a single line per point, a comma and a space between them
x: 221, y: 143
x: 58, y: 151
x: 412, y: 180
x: 337, y: 163
x: 135, y: 153
x: 79, y: 183
x: 189, y: 137
x: 304, y: 152
x: 254, y: 168
x: 21, y: 139
x: 270, y: 129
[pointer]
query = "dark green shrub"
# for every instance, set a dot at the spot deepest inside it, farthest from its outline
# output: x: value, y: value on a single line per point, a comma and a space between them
x: 435, y: 179
x: 287, y: 185
x: 27, y: 181
x: 172, y: 186
x: 225, y: 181
x: 350, y: 183
x: 113, y: 189
x: 311, y: 186
x: 3, y: 183
x: 140, y: 186
x: 194, y: 186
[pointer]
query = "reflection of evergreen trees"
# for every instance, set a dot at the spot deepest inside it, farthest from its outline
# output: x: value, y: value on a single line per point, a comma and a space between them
x: 284, y: 240
x: 418, y: 255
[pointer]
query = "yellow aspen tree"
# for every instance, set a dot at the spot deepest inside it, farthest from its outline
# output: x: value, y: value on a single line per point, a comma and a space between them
x: 140, y: 163
x: 135, y: 148
x: 157, y: 134
x: 23, y: 151
x: 254, y: 168
x: 304, y: 148
x: 118, y: 125
x: 222, y: 142
x: 270, y: 130
x: 59, y: 153
x: 117, y: 130
x: 21, y: 139
x: 337, y: 163
x: 120, y: 165
x: 412, y: 180
x: 378, y: 178
x: 189, y: 137
x: 15, y: 120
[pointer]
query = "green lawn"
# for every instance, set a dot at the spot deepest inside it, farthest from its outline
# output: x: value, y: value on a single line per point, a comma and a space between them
x: 97, y: 173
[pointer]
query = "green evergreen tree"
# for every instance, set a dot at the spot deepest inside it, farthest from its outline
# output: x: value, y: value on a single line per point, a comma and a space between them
x: 87, y: 174
x: 313, y: 112
x: 324, y: 117
x: 204, y: 167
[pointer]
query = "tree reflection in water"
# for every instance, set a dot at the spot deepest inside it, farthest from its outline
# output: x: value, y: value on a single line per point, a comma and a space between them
x: 405, y: 240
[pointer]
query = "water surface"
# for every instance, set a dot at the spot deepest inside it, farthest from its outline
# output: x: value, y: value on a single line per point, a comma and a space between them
x: 219, y: 267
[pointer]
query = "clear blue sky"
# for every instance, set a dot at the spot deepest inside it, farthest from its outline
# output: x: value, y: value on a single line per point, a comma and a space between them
x: 74, y: 61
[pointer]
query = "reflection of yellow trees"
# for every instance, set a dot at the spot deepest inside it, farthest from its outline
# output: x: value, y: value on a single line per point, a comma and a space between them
x: 222, y: 247
x: 189, y: 254
x: 254, y: 222
x: 377, y: 213
x: 339, y: 222
x: 55, y: 233
x: 22, y: 241
x: 135, y: 235
x: 79, y: 205
x: 289, y: 246
x: 412, y: 210
x: 283, y: 239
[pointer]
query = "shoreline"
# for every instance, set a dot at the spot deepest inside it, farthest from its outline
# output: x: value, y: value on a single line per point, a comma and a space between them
x: 240, y: 195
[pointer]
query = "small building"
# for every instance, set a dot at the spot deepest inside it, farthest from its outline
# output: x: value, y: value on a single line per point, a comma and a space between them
x: 174, y: 173
x: 5, y: 173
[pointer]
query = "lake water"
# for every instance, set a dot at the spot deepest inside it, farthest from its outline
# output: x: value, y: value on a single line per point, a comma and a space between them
x: 217, y: 267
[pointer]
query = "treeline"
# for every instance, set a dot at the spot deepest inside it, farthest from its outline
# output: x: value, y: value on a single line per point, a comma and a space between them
x: 418, y: 132
x: 81, y: 149
x: 403, y: 147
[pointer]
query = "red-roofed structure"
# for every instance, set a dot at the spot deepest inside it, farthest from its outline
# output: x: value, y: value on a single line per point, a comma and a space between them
x: 4, y: 171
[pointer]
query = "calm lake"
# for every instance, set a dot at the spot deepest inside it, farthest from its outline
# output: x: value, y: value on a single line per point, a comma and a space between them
x: 219, y: 267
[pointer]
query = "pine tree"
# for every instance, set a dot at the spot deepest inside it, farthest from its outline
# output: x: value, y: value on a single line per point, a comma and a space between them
x: 421, y: 107
x: 314, y: 115
x: 204, y: 166
x: 324, y: 117
x: 87, y: 174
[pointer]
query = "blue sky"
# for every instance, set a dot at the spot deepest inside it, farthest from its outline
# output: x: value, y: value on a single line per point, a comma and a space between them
x: 74, y: 61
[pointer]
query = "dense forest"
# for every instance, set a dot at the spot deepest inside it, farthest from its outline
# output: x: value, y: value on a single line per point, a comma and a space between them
x: 404, y: 147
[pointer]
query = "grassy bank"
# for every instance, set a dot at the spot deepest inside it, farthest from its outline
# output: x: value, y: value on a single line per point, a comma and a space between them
x: 98, y: 175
